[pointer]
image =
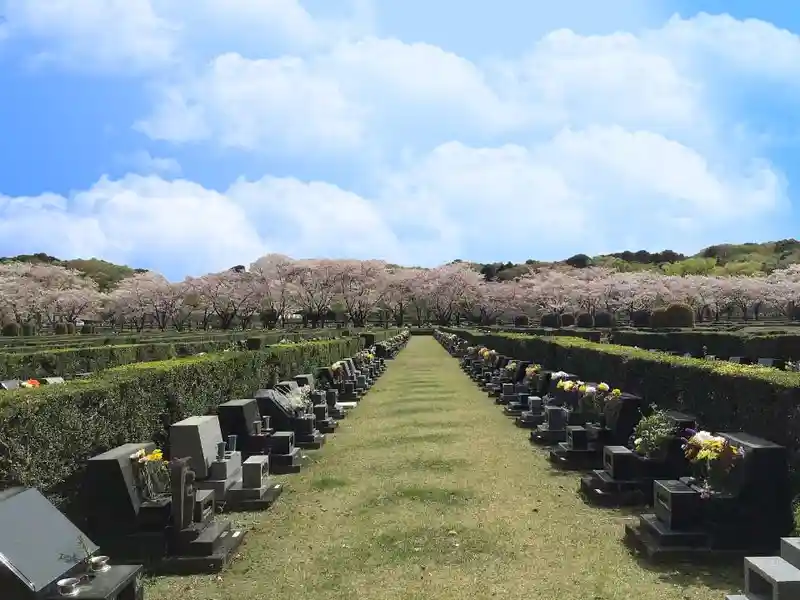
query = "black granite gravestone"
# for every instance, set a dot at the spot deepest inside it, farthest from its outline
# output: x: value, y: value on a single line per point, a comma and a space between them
x: 43, y: 555
x: 627, y: 477
x: 129, y: 525
x: 283, y: 417
x: 748, y: 517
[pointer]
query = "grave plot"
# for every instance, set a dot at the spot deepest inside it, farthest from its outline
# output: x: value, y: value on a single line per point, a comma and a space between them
x: 141, y: 508
x: 43, y: 556
x: 218, y: 466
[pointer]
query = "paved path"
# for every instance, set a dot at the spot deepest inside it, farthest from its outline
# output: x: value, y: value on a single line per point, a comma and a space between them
x: 428, y: 492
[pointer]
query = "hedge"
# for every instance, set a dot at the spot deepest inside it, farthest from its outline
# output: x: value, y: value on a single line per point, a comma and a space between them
x: 718, y: 343
x: 79, y: 341
x: 48, y: 433
x: 724, y: 396
x: 69, y: 361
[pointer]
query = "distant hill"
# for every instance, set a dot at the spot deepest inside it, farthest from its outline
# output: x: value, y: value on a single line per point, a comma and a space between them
x: 720, y: 259
x: 106, y: 274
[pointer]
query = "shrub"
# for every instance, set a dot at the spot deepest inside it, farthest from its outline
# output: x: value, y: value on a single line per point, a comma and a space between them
x: 28, y: 329
x: 640, y: 318
x: 679, y: 315
x: 87, y: 329
x: 60, y: 329
x: 584, y: 320
x: 70, y: 328
x: 550, y: 320
x: 659, y: 318
x: 521, y: 321
x: 11, y: 329
x: 603, y: 319
x: 567, y: 320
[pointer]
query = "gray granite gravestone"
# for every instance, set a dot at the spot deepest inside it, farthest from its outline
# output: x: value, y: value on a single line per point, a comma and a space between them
x: 196, y: 438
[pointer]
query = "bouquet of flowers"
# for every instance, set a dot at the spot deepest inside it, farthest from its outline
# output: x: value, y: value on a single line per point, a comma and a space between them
x: 715, y: 457
x: 30, y: 383
x: 652, y: 433
x: 151, y: 473
x: 511, y: 367
x: 532, y: 370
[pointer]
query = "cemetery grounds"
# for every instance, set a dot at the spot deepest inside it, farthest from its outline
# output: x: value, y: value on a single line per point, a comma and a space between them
x: 427, y: 491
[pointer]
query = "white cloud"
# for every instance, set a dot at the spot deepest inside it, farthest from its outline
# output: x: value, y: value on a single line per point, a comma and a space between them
x: 130, y: 36
x: 587, y: 189
x: 144, y: 163
x: 106, y: 35
x: 592, y: 143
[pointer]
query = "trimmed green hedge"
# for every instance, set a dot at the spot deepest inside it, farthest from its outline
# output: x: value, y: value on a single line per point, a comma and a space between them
x: 724, y: 396
x: 69, y: 361
x: 47, y: 434
x: 718, y: 343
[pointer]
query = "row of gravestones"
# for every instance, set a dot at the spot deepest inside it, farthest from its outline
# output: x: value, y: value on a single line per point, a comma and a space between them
x: 753, y: 517
x: 151, y: 514
x: 15, y: 384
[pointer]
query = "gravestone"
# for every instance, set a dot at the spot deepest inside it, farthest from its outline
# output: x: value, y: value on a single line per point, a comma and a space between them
x: 749, y: 516
x: 51, y: 380
x: 283, y: 418
x: 11, y: 384
x: 305, y: 379
x: 334, y: 408
x: 200, y: 440
x: 197, y: 439
x: 42, y: 554
x: 554, y: 428
x: 128, y: 525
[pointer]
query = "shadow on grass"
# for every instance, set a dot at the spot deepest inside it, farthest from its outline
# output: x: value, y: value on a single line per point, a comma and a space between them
x: 328, y: 482
x: 401, y: 410
x: 422, y: 494
x: 416, y: 438
x: 724, y: 575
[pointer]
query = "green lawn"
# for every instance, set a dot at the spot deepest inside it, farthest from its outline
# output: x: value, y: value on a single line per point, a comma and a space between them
x: 428, y: 492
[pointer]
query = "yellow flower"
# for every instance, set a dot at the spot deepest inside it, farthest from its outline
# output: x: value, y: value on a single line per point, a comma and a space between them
x: 560, y: 384
x: 603, y: 387
x: 582, y: 388
x: 616, y: 392
x: 568, y: 385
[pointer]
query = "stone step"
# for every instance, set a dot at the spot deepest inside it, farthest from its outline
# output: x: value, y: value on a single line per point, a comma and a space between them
x: 771, y: 577
x: 790, y: 550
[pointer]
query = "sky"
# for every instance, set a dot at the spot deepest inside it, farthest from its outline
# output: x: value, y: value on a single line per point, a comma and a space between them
x: 188, y: 136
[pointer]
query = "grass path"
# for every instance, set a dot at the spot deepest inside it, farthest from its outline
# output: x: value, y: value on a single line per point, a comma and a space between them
x: 427, y: 491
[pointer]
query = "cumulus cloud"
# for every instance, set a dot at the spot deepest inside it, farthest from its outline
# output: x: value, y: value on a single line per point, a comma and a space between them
x: 144, y: 163
x: 583, y: 143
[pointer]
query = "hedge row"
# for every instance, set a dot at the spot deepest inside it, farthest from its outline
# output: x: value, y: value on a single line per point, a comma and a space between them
x: 69, y: 361
x: 724, y: 396
x: 47, y: 434
x: 197, y: 335
x: 724, y: 344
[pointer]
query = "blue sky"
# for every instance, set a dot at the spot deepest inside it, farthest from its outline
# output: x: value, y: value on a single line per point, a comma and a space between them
x: 190, y: 136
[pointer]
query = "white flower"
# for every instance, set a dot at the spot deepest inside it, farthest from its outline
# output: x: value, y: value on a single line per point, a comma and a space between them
x: 701, y: 437
x: 559, y: 375
x: 637, y: 441
x: 590, y: 389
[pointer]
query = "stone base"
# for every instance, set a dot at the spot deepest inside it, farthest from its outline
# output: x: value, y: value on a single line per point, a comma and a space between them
x: 599, y: 489
x: 328, y: 426
x: 201, y: 565
x: 641, y: 541
x: 347, y: 405
x: 547, y: 437
x: 242, y: 500
x: 493, y: 393
x: 528, y: 420
x: 512, y: 411
x: 285, y: 464
x: 337, y: 413
x: 311, y: 442
x: 564, y: 457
